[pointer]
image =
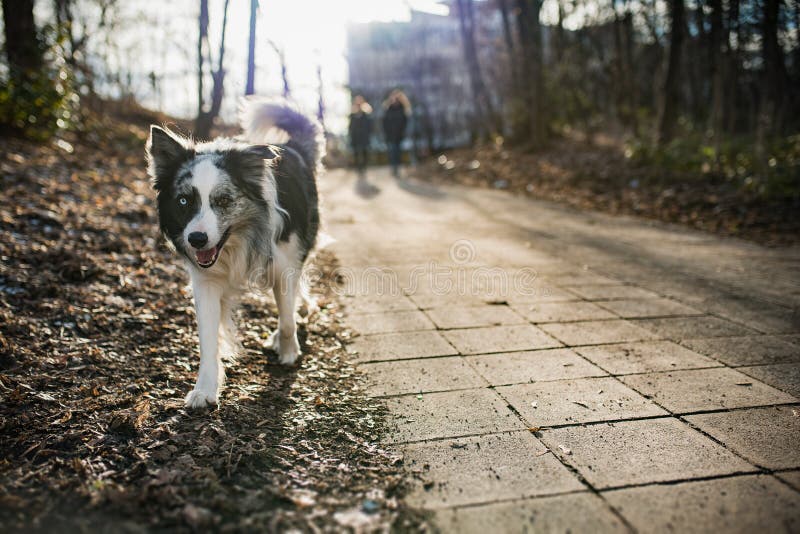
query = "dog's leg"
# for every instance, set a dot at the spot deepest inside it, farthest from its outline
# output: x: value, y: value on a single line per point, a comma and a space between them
x: 284, y: 339
x: 229, y: 346
x: 207, y: 299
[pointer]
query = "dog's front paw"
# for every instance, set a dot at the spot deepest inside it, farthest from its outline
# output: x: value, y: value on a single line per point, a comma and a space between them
x: 198, y: 398
x: 289, y: 350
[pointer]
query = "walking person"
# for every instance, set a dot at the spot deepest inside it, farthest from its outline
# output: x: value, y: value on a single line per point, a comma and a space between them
x: 396, y: 110
x: 360, y: 130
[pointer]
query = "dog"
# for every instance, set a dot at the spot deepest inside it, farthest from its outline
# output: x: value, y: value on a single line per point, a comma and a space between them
x: 239, y: 210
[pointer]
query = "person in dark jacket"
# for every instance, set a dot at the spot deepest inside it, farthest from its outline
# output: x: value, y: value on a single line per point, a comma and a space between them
x: 396, y: 110
x: 360, y: 130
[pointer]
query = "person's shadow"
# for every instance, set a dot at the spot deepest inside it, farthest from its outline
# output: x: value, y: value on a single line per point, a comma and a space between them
x: 364, y: 188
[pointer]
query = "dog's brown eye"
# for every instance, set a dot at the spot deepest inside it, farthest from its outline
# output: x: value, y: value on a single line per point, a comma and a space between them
x: 223, y: 202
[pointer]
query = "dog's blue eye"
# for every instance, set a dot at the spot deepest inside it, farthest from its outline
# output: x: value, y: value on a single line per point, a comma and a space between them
x: 183, y: 201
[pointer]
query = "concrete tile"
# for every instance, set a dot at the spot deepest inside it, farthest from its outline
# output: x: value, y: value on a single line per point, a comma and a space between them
x: 642, y: 308
x: 532, y: 366
x: 676, y: 328
x: 400, y: 346
x: 742, y: 504
x: 420, y: 376
x: 583, y: 400
x: 583, y: 279
x: 596, y: 332
x: 542, y: 293
x: 705, y: 389
x: 471, y: 317
x: 387, y: 322
x: 790, y: 477
x: 452, y: 300
x: 556, y: 312
x: 376, y: 303
x: 606, y: 292
x: 639, y: 452
x: 499, y: 339
x: 768, y: 437
x: 748, y: 350
x: 484, y: 468
x: 573, y: 512
x: 785, y: 377
x: 645, y: 357
x: 449, y: 414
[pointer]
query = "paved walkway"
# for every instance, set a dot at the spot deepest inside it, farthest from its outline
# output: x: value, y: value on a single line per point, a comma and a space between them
x: 551, y: 370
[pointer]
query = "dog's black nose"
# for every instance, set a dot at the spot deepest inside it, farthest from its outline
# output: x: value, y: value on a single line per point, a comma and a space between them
x: 198, y: 239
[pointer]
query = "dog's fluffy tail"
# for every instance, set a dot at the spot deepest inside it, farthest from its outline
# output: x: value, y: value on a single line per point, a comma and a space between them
x: 271, y: 121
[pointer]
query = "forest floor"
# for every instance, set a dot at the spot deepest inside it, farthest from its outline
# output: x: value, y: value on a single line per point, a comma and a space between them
x: 599, y: 177
x: 98, y: 348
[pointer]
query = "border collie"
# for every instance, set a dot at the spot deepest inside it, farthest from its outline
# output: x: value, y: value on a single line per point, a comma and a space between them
x: 239, y: 211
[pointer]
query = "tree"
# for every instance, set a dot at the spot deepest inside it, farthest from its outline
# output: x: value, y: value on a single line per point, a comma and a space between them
x: 251, y: 51
x: 717, y: 72
x: 530, y: 34
x: 284, y: 75
x: 24, y: 49
x: 488, y: 119
x: 670, y: 99
x: 775, y: 79
x: 205, y: 118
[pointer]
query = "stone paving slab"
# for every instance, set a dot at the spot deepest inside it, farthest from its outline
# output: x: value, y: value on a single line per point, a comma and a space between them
x: 790, y: 477
x: 584, y: 400
x: 646, y: 308
x: 785, y: 377
x: 449, y: 414
x: 677, y: 328
x: 574, y: 512
x: 607, y: 292
x: 742, y: 504
x: 388, y: 322
x: 767, y: 437
x: 557, y: 312
x: 532, y: 366
x: 705, y: 389
x: 748, y: 350
x: 400, y: 346
x: 485, y: 469
x: 499, y: 339
x: 611, y: 455
x: 453, y: 317
x: 376, y: 304
x: 596, y: 332
x: 420, y: 376
x: 542, y: 293
x: 583, y: 279
x: 427, y: 301
x: 645, y: 357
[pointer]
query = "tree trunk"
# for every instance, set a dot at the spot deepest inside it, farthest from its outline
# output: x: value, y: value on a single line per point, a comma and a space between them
x: 670, y: 103
x: 774, y: 81
x: 24, y: 50
x: 717, y: 72
x: 205, y: 119
x: 250, y: 89
x: 482, y: 102
x: 508, y: 36
x: 530, y: 32
x: 201, y: 37
x: 732, y: 96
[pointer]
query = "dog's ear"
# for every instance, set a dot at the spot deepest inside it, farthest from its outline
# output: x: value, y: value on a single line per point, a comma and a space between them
x: 166, y: 152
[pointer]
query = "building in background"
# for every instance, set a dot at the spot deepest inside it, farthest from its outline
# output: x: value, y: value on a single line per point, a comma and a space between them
x: 423, y: 57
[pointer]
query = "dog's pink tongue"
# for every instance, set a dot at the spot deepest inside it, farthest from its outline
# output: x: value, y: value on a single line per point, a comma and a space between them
x: 205, y: 256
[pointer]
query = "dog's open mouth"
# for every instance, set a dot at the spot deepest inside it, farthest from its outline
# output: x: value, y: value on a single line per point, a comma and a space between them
x: 207, y: 258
